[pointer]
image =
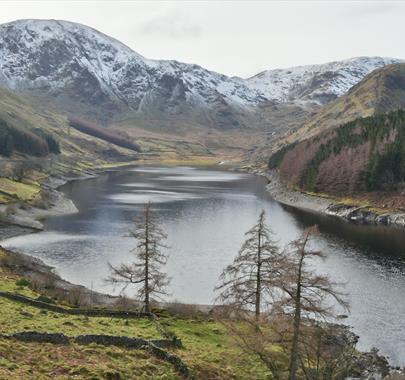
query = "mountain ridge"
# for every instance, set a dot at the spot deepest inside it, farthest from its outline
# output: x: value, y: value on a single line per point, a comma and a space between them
x: 344, y: 74
x: 80, y: 69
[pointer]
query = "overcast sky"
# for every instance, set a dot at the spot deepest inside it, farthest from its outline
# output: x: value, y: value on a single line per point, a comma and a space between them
x: 236, y: 37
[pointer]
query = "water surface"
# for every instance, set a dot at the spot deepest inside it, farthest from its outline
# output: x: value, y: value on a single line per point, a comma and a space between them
x: 205, y: 214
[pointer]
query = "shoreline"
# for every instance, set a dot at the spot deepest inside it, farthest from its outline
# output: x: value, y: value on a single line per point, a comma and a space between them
x: 27, y: 218
x: 329, y: 207
x: 35, y: 267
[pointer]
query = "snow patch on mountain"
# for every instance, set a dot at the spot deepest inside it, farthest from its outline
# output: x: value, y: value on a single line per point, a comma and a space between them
x: 315, y: 82
x: 54, y: 56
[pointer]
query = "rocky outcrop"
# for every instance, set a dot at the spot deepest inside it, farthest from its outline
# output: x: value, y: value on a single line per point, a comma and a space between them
x: 370, y: 365
x: 365, y: 216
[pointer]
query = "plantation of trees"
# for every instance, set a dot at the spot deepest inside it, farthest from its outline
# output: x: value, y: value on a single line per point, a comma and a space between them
x: 35, y: 143
x: 276, y: 159
x: 101, y: 133
x: 384, y: 168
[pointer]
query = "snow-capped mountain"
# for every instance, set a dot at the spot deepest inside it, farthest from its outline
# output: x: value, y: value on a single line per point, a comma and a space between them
x: 69, y: 60
x: 316, y: 83
x: 84, y: 71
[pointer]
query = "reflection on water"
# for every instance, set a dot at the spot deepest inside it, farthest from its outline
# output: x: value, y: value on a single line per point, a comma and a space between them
x: 206, y: 213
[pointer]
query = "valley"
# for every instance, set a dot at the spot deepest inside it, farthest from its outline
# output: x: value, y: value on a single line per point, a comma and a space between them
x: 197, y: 208
x: 91, y: 130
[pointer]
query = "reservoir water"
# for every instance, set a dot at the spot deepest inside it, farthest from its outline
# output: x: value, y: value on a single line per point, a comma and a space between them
x: 205, y: 213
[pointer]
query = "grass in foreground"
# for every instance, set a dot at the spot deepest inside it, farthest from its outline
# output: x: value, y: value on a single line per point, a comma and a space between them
x: 208, y: 350
x: 20, y: 360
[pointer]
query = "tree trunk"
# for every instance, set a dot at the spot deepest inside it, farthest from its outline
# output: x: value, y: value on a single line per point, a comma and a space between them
x: 258, y: 278
x: 147, y: 306
x: 294, y: 359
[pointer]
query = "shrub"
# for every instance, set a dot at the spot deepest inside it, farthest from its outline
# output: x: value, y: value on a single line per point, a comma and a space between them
x: 49, y: 281
x: 76, y: 296
x: 22, y: 282
x: 183, y: 310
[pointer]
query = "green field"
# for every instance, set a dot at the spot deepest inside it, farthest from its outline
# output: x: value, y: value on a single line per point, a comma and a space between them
x: 208, y: 350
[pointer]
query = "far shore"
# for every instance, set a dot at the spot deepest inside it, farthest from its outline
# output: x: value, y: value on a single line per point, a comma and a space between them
x: 329, y: 206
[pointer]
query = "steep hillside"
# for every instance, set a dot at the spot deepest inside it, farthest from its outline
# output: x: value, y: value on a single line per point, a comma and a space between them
x: 367, y: 154
x: 82, y: 71
x: 38, y: 146
x: 381, y: 91
x: 29, y: 130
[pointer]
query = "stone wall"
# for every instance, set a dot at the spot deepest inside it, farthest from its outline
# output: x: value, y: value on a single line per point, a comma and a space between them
x: 154, y: 347
x: 87, y: 312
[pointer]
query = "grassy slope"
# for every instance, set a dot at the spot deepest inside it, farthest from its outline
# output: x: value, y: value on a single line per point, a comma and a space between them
x: 20, y: 111
x: 380, y: 91
x: 208, y: 350
x: 79, y: 152
x: 11, y: 190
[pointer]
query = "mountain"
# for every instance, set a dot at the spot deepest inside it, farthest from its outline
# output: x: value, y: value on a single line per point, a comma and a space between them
x: 357, y: 141
x: 317, y: 84
x: 82, y: 71
x: 88, y: 71
x: 380, y: 91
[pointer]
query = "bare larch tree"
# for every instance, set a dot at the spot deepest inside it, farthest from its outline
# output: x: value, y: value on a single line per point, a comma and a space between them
x: 249, y: 281
x: 307, y: 293
x: 146, y: 271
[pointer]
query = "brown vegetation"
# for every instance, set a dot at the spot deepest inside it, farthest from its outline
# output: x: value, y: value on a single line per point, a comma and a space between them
x: 102, y: 133
x: 277, y: 297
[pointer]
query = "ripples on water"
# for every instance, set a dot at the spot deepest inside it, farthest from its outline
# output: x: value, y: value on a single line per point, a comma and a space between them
x: 206, y: 213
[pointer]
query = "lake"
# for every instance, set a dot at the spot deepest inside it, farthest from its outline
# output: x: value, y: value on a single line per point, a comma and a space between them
x: 205, y: 213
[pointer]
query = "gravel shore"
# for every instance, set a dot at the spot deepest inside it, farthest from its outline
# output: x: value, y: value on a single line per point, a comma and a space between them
x: 352, y: 213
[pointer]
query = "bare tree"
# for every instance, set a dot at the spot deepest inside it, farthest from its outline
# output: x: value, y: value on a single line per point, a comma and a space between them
x: 250, y: 280
x: 145, y: 272
x: 289, y: 328
x: 307, y: 294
